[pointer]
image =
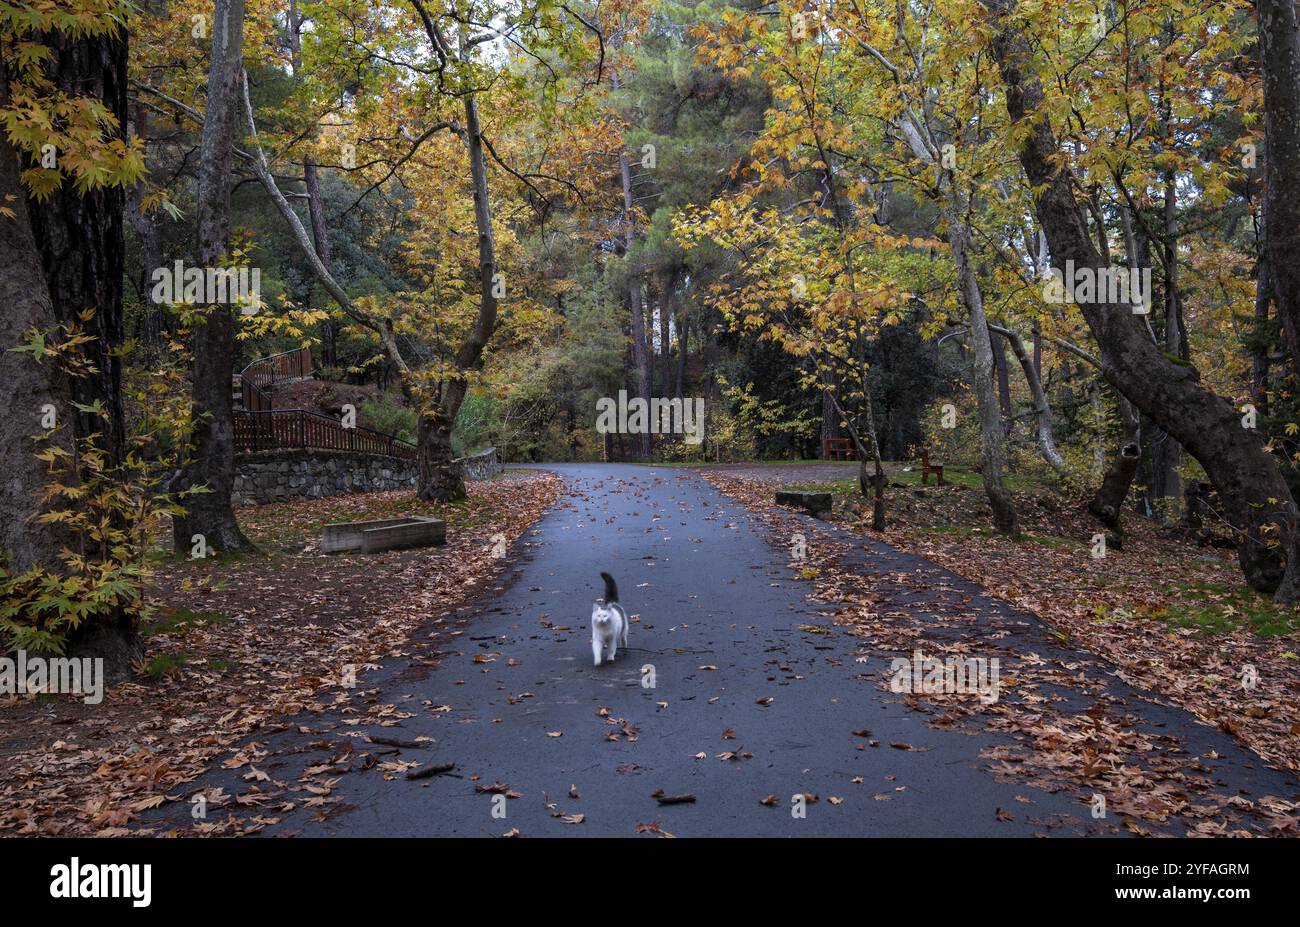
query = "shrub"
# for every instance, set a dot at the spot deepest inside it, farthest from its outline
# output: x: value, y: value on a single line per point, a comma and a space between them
x: 390, y: 417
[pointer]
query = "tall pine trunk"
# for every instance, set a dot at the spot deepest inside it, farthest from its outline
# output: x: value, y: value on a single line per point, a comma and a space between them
x: 640, y: 349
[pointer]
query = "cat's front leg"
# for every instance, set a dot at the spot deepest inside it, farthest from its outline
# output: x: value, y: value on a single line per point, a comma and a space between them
x: 597, y: 650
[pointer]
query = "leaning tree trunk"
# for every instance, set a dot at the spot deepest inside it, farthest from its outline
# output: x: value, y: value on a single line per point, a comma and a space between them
x: 1255, y: 495
x: 210, y: 514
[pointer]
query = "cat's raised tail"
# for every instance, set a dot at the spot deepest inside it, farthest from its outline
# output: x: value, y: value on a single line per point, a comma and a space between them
x: 611, y: 590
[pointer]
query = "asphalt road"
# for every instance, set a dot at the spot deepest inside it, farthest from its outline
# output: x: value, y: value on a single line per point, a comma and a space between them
x: 517, y: 701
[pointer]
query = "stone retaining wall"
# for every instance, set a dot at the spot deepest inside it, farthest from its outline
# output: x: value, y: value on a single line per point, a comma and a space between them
x: 278, y: 476
x: 480, y: 466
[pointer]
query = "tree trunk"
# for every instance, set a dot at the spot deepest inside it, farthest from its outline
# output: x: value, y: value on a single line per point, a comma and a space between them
x: 151, y: 249
x: 151, y: 258
x: 210, y: 513
x: 992, y: 458
x: 868, y: 452
x: 683, y: 329
x: 640, y: 350
x: 320, y: 236
x: 1038, y: 350
x: 1279, y: 44
x: 315, y: 203
x: 666, y: 299
x: 1108, y: 502
x: 1004, y: 383
x: 1259, y: 365
x: 830, y: 415
x: 79, y: 235
x: 80, y: 238
x: 1168, y: 481
x: 29, y: 386
x: 439, y: 480
x: 1042, y: 410
x: 1255, y: 495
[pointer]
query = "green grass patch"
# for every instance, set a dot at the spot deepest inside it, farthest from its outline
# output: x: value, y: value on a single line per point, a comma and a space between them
x: 1219, y: 608
x: 172, y: 619
x: 166, y: 664
x: 1052, y: 541
x: 845, y: 488
x: 967, y: 479
x: 1211, y: 609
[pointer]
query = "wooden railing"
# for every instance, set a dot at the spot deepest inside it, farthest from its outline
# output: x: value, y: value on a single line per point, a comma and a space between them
x: 283, y: 429
x: 257, y: 380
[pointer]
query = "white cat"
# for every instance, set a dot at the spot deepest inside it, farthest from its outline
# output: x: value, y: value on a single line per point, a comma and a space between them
x: 608, y: 623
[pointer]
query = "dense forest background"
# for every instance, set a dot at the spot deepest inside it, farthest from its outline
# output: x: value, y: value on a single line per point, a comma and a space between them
x: 847, y: 221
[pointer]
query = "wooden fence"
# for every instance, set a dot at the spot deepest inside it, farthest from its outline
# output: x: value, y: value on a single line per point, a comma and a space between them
x: 257, y: 380
x: 282, y: 429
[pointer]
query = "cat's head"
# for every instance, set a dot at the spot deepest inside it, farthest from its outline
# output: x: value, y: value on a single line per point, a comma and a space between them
x: 601, y: 613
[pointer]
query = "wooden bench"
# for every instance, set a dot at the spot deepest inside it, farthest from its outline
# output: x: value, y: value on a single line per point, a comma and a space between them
x: 837, y: 449
x: 927, y: 468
